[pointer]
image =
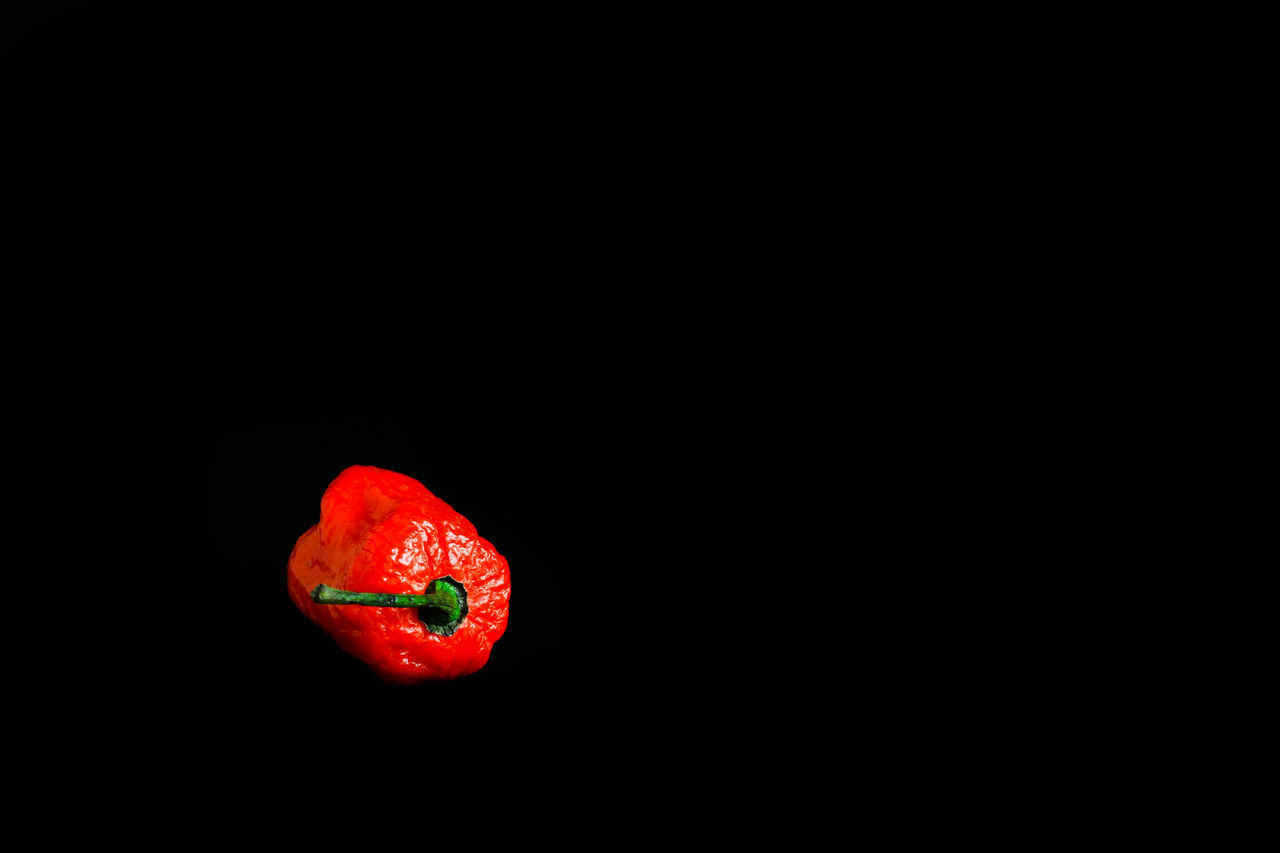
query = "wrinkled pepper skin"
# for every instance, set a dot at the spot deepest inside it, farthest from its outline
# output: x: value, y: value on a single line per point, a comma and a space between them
x: 380, y: 531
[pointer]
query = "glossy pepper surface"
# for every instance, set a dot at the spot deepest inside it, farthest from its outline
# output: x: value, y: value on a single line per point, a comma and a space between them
x: 381, y: 532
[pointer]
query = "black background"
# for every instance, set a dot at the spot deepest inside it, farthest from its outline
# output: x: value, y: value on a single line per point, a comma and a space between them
x: 533, y: 255
x: 556, y: 261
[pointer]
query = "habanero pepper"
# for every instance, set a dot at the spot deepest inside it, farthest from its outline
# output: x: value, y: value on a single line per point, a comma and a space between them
x: 399, y: 579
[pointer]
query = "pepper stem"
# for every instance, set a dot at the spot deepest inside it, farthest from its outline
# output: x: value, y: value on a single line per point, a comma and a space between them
x: 442, y: 608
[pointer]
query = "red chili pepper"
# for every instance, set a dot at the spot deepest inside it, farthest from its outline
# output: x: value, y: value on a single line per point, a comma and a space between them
x: 399, y: 579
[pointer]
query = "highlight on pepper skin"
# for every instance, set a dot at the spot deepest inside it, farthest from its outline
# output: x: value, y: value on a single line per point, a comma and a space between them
x: 399, y: 579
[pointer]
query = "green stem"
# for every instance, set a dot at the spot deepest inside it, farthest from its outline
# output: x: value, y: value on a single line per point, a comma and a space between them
x: 324, y: 594
x: 443, y: 606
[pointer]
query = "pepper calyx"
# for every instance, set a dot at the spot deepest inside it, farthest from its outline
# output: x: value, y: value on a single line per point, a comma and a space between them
x: 445, y: 616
